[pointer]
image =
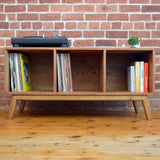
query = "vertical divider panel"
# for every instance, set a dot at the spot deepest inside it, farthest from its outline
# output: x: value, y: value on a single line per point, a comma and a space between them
x: 103, y: 72
x: 54, y: 71
x: 7, y: 72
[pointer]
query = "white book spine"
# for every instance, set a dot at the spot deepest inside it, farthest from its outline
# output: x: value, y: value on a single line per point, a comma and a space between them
x: 142, y: 76
x: 132, y: 70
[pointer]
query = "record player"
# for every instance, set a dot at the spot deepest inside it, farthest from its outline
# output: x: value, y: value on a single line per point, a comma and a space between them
x: 38, y: 41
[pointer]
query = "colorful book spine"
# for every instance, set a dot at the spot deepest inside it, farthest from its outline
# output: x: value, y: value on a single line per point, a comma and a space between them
x: 141, y: 76
x: 146, y: 77
x: 131, y: 79
x: 137, y: 76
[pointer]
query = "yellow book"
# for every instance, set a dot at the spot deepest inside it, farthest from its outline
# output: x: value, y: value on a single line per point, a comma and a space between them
x: 137, y: 75
x: 25, y: 72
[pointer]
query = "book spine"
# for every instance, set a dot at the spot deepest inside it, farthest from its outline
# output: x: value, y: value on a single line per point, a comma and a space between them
x: 11, y: 72
x: 132, y: 79
x: 146, y: 77
x: 70, y: 72
x: 137, y: 76
x: 142, y: 76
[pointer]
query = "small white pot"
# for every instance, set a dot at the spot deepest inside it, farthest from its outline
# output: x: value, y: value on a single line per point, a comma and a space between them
x: 135, y: 46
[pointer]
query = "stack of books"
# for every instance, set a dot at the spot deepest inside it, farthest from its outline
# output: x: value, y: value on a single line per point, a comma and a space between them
x: 19, y: 72
x: 64, y: 74
x: 137, y: 75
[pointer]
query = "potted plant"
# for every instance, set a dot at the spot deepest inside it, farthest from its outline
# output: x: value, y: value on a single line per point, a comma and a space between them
x: 134, y: 42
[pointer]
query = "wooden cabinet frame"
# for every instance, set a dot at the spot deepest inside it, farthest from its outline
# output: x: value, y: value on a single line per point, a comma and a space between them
x: 99, y: 74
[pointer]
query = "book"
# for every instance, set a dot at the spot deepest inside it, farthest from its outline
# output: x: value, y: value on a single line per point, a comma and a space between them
x: 141, y: 76
x: 146, y: 77
x: 25, y: 72
x: 131, y: 78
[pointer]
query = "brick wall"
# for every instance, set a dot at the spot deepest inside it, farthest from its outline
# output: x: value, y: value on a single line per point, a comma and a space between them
x: 86, y: 23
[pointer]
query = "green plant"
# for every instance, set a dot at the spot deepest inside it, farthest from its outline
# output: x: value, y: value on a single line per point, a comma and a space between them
x: 134, y: 40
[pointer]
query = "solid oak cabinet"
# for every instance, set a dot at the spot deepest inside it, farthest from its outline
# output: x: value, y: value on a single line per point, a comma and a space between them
x: 98, y: 74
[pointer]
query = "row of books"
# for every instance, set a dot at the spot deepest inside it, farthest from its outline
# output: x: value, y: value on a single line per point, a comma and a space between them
x: 64, y: 74
x: 137, y: 75
x: 19, y: 72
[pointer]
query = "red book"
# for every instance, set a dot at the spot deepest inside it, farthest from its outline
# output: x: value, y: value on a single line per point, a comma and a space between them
x: 146, y: 77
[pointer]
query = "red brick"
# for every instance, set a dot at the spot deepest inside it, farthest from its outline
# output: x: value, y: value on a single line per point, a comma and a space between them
x: 72, y: 1
x: 150, y: 42
x: 50, y: 17
x: 157, y: 86
x: 118, y: 17
x: 105, y: 25
x: 26, y: 25
x: 139, y: 1
x: 116, y: 1
x: 15, y: 8
x: 116, y: 25
x: 47, y: 25
x: 27, y: 1
x: 158, y: 69
x: 81, y: 25
x: 127, y: 25
x: 1, y: 68
x: 37, y: 25
x: 91, y: 17
x: 1, y: 85
x: 3, y: 33
x: 1, y: 78
x: 157, y: 51
x: 150, y: 25
x: 50, y: 1
x: 26, y: 33
x: 94, y: 1
x: 11, y: 17
x: 7, y: 1
x: 139, y: 25
x: 140, y: 17
x: 22, y: 17
x: 156, y: 17
x: 84, y: 8
x: 1, y: 8
x: 61, y: 8
x: 85, y: 43
x: 38, y: 8
x: 155, y: 103
x: 72, y: 17
x: 72, y: 34
x: 116, y: 34
x: 150, y: 8
x: 123, y: 42
x: 94, y: 25
x: 2, y: 51
x: 141, y: 34
x: 4, y: 25
x: 158, y: 25
x: 14, y: 25
x: 129, y: 8
x: 2, y: 42
x: 93, y: 34
x: 157, y: 60
x: 105, y: 42
x: 106, y: 8
x: 155, y: 95
x: 4, y: 95
x: 59, y: 25
x: 155, y: 2
x: 70, y: 25
x: 155, y: 34
x: 2, y: 59
x: 8, y: 43
x: 2, y: 17
x: 157, y: 77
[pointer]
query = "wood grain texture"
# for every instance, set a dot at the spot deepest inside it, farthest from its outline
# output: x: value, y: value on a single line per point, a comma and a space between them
x: 79, y: 135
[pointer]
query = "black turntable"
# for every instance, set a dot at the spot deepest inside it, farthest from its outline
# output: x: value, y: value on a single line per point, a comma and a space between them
x: 38, y: 41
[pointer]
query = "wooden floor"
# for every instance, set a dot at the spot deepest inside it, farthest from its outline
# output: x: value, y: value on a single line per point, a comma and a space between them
x: 87, y: 136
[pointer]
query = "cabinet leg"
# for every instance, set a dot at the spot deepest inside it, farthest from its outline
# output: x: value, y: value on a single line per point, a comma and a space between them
x: 136, y: 106
x: 146, y: 108
x: 12, y: 107
x: 21, y: 106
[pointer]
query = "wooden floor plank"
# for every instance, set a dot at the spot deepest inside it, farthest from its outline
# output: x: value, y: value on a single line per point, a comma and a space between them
x: 85, y: 136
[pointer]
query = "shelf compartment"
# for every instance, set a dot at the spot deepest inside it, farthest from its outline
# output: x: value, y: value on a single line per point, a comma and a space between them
x: 117, y: 62
x: 41, y: 67
x: 86, y: 67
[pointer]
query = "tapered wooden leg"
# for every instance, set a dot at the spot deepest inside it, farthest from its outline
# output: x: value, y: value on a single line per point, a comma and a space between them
x: 146, y: 108
x: 136, y: 106
x: 12, y: 107
x: 21, y: 106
